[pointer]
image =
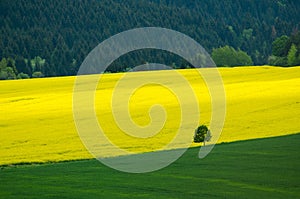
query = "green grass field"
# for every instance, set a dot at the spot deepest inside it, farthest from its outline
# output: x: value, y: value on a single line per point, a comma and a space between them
x: 261, y: 168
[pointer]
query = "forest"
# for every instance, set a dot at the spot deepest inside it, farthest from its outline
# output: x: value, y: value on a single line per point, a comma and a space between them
x: 52, y: 38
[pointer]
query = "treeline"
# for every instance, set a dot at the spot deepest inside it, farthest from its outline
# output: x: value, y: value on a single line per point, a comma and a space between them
x: 33, y: 68
x: 285, y: 52
x: 52, y: 38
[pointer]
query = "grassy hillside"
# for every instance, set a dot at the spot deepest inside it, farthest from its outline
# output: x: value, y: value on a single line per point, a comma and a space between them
x: 36, y: 124
x: 262, y: 168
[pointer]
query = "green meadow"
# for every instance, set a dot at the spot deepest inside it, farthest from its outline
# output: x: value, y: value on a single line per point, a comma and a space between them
x: 260, y: 168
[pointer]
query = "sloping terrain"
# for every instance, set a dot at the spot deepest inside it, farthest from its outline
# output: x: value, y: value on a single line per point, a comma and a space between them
x: 261, y: 168
x: 37, y: 125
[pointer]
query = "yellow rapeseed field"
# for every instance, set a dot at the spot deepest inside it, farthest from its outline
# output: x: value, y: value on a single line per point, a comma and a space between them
x: 36, y: 121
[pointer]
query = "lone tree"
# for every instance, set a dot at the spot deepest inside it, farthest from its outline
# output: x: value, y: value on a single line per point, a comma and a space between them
x: 202, y: 134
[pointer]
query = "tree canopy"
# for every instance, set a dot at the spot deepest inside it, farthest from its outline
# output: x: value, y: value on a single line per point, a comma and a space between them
x: 202, y: 134
x: 228, y: 56
x: 286, y: 51
x: 62, y: 33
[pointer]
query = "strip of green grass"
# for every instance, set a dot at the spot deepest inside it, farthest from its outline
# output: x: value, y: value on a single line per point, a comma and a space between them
x: 262, y: 168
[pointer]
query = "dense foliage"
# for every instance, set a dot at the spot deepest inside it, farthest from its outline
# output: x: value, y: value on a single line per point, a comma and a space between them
x: 200, y: 133
x: 286, y: 51
x: 228, y: 56
x: 62, y: 33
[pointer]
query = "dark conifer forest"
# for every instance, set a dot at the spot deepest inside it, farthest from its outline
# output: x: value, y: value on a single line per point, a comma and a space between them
x: 52, y: 38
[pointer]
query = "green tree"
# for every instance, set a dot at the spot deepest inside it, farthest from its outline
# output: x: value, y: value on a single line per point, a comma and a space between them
x: 37, y: 74
x: 247, y: 33
x: 12, y: 64
x: 22, y: 65
x: 279, y: 46
x: 7, y: 69
x: 277, y: 61
x: 202, y: 134
x: 243, y: 59
x: 3, y: 64
x: 292, y: 56
x: 10, y: 73
x: 228, y: 56
x: 23, y: 76
x: 7, y: 73
x: 286, y: 51
x: 3, y: 75
x: 37, y: 63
